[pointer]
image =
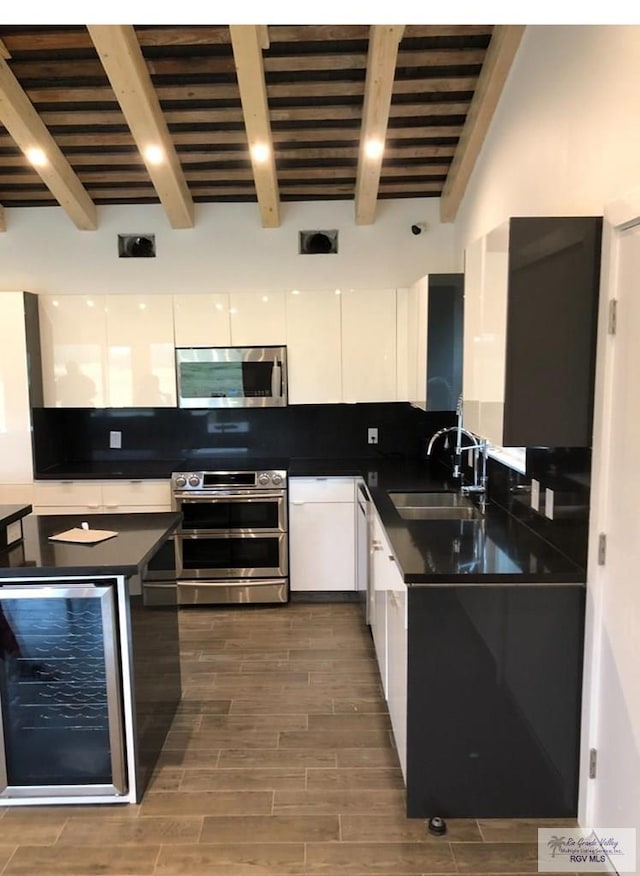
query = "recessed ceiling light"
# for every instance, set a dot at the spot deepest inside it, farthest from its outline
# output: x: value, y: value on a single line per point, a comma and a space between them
x: 37, y: 156
x: 373, y: 148
x: 154, y: 154
x: 260, y: 152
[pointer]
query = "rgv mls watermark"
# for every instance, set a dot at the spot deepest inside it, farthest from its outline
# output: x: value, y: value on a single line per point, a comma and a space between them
x: 586, y: 849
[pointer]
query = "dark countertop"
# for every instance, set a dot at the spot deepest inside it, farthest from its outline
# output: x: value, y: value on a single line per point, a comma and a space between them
x: 494, y: 549
x: 139, y: 537
x: 497, y: 548
x: 10, y: 513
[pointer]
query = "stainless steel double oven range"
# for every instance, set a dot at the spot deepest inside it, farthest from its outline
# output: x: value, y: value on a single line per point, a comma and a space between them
x: 232, y: 546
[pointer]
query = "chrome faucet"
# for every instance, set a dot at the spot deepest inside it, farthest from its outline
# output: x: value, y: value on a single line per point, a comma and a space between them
x: 479, y: 447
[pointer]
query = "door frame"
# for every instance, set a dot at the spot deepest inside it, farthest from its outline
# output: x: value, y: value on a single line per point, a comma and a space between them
x: 619, y: 215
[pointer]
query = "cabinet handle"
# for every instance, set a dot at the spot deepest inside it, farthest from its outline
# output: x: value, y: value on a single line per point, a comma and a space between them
x: 391, y: 557
x: 297, y: 502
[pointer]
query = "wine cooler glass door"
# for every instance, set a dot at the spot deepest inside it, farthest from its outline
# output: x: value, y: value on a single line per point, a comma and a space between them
x: 60, y: 691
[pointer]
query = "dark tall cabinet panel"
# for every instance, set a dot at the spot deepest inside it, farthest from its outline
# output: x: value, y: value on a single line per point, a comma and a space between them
x: 444, y: 341
x: 531, y: 310
x: 493, y: 702
x: 554, y: 277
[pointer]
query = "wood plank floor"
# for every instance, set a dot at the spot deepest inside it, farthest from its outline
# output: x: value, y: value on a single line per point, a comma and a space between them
x: 280, y: 762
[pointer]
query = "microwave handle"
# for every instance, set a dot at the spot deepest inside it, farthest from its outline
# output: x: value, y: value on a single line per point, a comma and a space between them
x: 276, y: 380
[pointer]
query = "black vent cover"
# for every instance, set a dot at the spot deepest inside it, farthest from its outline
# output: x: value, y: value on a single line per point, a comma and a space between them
x: 136, y: 246
x: 318, y: 242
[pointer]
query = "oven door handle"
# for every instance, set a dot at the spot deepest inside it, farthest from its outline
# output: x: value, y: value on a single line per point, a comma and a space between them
x: 233, y: 497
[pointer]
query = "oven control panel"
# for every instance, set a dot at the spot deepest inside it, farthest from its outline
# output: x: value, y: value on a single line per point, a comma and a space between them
x: 187, y: 481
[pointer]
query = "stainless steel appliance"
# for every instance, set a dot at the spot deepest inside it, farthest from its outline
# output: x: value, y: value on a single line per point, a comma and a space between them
x: 231, y: 377
x: 62, y: 727
x: 232, y: 546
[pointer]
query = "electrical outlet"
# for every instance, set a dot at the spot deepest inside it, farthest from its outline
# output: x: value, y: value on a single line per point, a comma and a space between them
x: 548, y: 503
x: 372, y: 435
x: 535, y: 494
x: 115, y: 440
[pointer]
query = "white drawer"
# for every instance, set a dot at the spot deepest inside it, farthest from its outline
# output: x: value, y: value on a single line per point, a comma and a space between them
x: 16, y: 494
x: 116, y: 494
x: 322, y: 489
x: 85, y: 494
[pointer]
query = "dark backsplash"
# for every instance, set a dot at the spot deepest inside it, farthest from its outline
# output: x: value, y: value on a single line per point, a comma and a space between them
x: 566, y: 471
x: 66, y: 436
x: 69, y: 435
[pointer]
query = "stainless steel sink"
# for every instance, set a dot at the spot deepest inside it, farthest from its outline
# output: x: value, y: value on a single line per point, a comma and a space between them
x: 434, y: 506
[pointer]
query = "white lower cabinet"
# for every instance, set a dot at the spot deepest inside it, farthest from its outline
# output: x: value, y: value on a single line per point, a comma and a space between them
x: 397, y: 666
x: 389, y: 629
x: 101, y: 497
x: 322, y: 534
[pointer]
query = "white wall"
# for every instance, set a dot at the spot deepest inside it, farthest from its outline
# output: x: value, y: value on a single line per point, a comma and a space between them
x: 42, y: 251
x: 566, y: 136
x: 565, y: 141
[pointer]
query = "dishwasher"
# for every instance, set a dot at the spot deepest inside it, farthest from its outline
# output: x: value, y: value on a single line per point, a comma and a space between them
x: 363, y: 502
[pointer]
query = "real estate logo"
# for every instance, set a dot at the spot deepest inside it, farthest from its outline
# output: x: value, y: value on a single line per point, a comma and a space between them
x: 587, y: 849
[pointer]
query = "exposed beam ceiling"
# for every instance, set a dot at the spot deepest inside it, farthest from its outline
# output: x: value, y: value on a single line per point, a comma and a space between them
x: 316, y: 79
x: 381, y: 66
x: 247, y: 41
x: 26, y: 128
x: 500, y: 55
x: 127, y: 71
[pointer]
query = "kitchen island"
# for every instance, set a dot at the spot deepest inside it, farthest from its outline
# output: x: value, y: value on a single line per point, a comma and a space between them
x: 91, y: 676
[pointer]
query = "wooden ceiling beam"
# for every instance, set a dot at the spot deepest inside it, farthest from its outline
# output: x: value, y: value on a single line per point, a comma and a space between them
x: 127, y: 72
x: 21, y: 120
x: 247, y: 53
x: 499, y: 59
x: 381, y: 66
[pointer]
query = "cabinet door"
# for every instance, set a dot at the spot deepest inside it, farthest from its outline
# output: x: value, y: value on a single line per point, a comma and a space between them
x: 314, y: 347
x: 15, y: 413
x: 322, y: 534
x: 494, y: 334
x: 380, y: 571
x: 471, y: 382
x: 257, y: 319
x: 201, y: 320
x: 133, y: 496
x: 369, y: 345
x: 397, y: 663
x: 141, y: 351
x: 67, y: 497
x: 412, y: 344
x: 73, y: 339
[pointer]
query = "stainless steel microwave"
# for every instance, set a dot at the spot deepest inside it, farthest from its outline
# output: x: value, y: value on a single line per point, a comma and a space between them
x: 231, y: 377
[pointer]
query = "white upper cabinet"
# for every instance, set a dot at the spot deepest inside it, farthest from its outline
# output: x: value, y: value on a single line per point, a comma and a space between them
x: 412, y: 343
x: 369, y: 345
x: 202, y: 320
x: 494, y: 334
x: 314, y: 347
x: 15, y: 419
x: 472, y: 379
x: 141, y: 351
x: 257, y: 319
x: 73, y: 338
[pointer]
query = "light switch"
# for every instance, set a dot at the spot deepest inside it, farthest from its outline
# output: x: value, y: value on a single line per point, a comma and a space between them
x: 535, y: 494
x: 548, y: 503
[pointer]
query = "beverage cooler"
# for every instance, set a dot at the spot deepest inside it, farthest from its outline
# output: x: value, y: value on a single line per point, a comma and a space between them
x: 62, y: 732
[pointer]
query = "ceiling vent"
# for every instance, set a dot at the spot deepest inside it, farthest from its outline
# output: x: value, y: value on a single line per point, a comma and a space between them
x: 318, y: 242
x: 136, y: 246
